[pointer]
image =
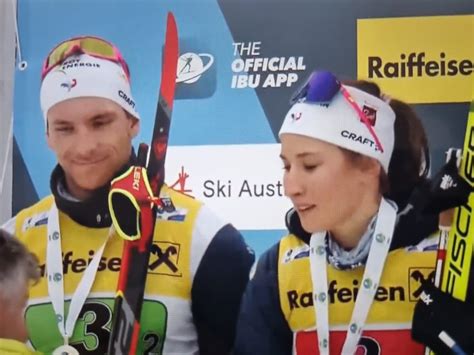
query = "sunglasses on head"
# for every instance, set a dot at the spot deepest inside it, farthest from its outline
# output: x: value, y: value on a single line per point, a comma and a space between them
x: 321, y: 87
x: 90, y: 45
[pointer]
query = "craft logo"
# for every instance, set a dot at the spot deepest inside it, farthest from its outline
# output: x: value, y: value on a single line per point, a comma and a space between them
x: 417, y: 278
x: 164, y: 259
x: 359, y: 139
x: 125, y: 98
x: 418, y: 59
x: 196, y: 71
x: 251, y: 69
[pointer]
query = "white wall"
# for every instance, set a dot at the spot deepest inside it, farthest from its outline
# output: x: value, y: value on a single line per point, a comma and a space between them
x: 7, y: 63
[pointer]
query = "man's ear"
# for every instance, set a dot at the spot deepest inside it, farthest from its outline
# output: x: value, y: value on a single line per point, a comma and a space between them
x: 134, y: 125
x: 48, y: 137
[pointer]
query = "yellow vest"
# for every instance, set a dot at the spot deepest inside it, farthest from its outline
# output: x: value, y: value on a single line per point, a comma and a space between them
x: 166, y: 321
x: 388, y: 323
x: 14, y: 347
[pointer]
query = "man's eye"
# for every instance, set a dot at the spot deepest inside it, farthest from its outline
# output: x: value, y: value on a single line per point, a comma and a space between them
x: 99, y: 124
x: 63, y: 129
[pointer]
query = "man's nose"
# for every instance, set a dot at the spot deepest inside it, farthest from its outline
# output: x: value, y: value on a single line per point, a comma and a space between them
x: 85, y: 143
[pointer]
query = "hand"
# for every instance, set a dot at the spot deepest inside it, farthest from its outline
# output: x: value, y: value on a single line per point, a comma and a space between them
x: 437, y: 312
x: 447, y: 188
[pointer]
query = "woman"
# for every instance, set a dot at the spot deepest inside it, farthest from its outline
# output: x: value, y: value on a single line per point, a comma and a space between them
x: 341, y: 281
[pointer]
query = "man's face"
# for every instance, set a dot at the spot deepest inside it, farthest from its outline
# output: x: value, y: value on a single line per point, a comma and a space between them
x: 12, y: 310
x: 92, y: 140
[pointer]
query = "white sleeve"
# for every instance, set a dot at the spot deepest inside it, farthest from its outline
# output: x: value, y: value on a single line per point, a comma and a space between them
x: 205, y: 229
x: 9, y: 225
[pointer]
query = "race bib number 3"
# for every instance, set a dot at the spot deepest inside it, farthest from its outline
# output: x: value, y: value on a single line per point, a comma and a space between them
x: 92, y: 330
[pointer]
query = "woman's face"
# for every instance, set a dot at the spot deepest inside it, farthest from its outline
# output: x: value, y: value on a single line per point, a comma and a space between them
x: 326, y: 188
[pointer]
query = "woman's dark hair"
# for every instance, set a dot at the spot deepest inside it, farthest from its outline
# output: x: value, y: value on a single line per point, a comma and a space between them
x: 409, y: 165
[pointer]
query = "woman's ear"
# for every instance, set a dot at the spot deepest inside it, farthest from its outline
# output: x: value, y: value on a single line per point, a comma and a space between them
x: 374, y: 167
x: 371, y: 167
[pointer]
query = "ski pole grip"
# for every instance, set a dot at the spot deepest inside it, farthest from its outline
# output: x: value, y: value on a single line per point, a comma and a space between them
x: 142, y: 157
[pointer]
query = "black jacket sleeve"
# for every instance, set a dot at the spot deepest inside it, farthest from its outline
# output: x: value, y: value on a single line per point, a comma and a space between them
x: 217, y: 290
x: 262, y: 328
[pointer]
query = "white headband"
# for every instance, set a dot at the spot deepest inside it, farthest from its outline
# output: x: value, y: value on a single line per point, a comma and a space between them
x: 339, y: 123
x: 86, y: 76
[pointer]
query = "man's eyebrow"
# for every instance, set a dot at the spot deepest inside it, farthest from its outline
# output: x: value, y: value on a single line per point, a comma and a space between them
x: 60, y: 121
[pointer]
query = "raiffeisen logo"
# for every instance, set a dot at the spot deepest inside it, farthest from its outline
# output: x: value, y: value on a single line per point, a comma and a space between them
x: 418, y: 65
x: 426, y: 59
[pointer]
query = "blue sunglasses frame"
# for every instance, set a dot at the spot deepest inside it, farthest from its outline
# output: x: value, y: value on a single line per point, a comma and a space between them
x: 321, y: 88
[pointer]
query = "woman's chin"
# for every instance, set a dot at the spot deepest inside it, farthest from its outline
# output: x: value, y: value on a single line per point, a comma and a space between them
x: 311, y: 227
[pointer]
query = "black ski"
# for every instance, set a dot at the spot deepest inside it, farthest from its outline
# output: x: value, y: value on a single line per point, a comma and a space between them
x: 125, y: 332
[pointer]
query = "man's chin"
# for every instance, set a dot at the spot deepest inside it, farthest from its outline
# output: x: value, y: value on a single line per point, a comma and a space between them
x: 88, y: 186
x: 93, y: 185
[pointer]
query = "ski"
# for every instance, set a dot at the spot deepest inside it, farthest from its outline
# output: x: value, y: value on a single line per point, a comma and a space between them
x: 458, y: 276
x: 125, y: 330
x: 453, y: 158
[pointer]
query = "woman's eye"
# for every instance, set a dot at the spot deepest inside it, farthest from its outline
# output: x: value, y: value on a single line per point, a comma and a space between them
x: 310, y: 167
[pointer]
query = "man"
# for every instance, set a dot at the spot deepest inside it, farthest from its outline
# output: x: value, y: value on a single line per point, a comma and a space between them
x: 199, y: 265
x: 18, y: 267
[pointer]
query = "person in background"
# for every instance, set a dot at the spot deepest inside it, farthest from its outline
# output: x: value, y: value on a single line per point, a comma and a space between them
x: 18, y: 270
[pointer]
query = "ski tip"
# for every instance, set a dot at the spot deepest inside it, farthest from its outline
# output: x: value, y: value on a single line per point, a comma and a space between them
x: 170, y: 64
x: 172, y: 27
x: 170, y: 18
